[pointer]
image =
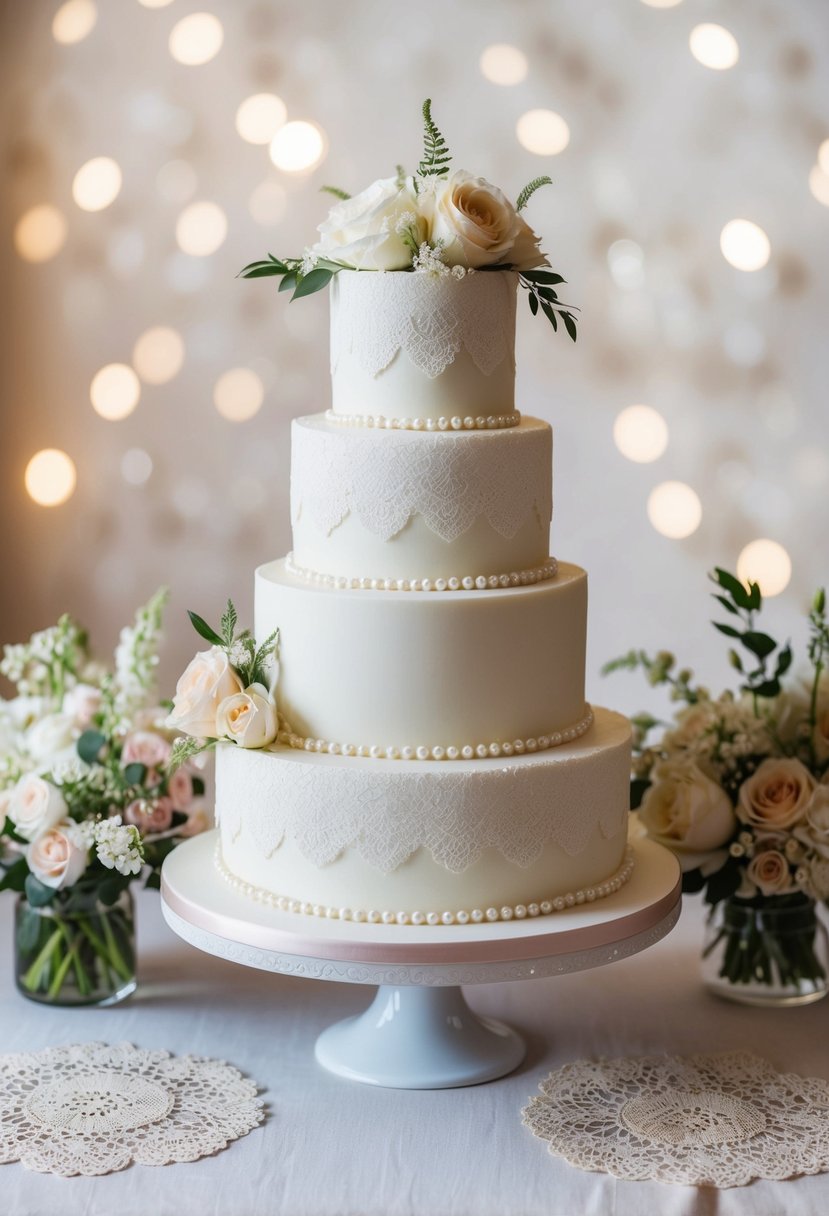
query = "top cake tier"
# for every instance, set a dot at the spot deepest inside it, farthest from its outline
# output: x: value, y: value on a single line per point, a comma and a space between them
x: 412, y: 348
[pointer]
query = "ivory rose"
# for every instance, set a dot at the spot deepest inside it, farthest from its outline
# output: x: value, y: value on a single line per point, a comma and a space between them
x: 205, y: 683
x: 57, y: 858
x: 248, y: 718
x: 686, y: 810
x: 81, y: 703
x: 775, y: 797
x: 35, y: 806
x: 770, y: 872
x: 813, y: 831
x: 361, y: 232
x: 477, y: 223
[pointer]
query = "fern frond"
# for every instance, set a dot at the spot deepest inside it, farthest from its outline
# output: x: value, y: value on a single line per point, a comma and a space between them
x: 530, y: 189
x: 436, y: 155
x: 336, y: 191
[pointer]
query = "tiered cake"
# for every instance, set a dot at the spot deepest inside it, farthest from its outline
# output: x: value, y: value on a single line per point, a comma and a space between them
x: 436, y: 761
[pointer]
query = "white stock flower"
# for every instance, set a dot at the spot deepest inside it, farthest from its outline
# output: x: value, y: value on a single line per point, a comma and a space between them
x: 58, y: 856
x: 361, y: 232
x: 477, y: 223
x: 35, y: 806
x: 118, y: 846
x: 685, y: 810
x: 81, y: 703
x: 204, y: 684
x: 248, y: 718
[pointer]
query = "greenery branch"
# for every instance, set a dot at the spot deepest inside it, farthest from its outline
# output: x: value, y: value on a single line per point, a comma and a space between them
x: 530, y: 189
x: 436, y: 155
x: 540, y: 285
x: 742, y: 603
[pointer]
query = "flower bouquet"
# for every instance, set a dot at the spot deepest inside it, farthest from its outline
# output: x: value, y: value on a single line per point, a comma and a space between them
x: 436, y: 221
x: 91, y: 799
x: 738, y: 787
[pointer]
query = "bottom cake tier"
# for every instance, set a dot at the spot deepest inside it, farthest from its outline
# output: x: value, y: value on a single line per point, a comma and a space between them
x: 427, y: 842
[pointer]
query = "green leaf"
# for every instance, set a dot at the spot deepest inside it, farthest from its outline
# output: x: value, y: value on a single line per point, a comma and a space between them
x: 314, y: 281
x: 733, y: 586
x: 530, y: 189
x: 89, y: 745
x: 784, y: 660
x: 8, y: 829
x: 754, y: 595
x: 153, y: 882
x: 638, y: 788
x: 550, y: 314
x: 728, y: 630
x: 37, y: 893
x: 289, y: 282
x: 15, y: 877
x: 758, y: 643
x: 692, y: 881
x: 436, y: 157
x: 111, y: 888
x: 203, y: 629
x: 547, y: 293
x: 134, y: 774
x: 767, y: 688
x: 727, y: 604
x: 724, y: 882
x: 533, y: 303
x: 569, y: 323
x: 543, y: 276
x: 264, y: 271
x: 228, y: 624
x: 198, y: 786
x: 336, y: 191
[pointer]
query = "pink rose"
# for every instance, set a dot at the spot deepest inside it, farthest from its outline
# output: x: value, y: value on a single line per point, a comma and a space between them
x: 204, y: 684
x: 82, y: 703
x: 197, y: 820
x: 150, y: 815
x: 180, y: 788
x: 145, y: 747
x: 770, y: 872
x: 56, y: 858
x: 776, y: 796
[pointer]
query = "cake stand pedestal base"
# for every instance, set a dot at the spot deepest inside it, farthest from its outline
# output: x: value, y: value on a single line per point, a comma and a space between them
x: 419, y: 1032
x: 419, y: 1038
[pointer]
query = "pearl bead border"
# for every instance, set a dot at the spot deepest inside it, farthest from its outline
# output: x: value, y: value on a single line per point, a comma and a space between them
x: 492, y: 422
x: 479, y: 582
x: 463, y: 916
x: 469, y: 751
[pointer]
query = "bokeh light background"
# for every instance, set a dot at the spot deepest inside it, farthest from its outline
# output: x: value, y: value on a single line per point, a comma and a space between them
x: 153, y: 147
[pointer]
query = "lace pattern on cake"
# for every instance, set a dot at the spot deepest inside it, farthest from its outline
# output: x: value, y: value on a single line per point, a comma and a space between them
x: 386, y: 478
x: 387, y: 816
x: 376, y: 316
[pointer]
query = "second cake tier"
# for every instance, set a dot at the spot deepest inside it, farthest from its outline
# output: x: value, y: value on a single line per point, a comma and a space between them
x: 428, y: 673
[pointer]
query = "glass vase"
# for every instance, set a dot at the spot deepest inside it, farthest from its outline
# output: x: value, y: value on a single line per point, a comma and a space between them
x: 773, y: 951
x: 81, y: 954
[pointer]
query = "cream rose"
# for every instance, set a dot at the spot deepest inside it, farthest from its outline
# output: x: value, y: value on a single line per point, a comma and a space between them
x: 770, y: 872
x: 205, y: 683
x: 51, y: 735
x: 57, y: 858
x: 813, y: 831
x: 35, y: 806
x: 361, y: 232
x: 686, y: 810
x: 776, y: 796
x: 248, y: 718
x: 477, y: 223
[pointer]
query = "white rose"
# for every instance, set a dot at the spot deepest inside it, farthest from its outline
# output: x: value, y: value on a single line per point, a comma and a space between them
x: 686, y: 810
x: 23, y: 711
x: 477, y: 223
x: 204, y: 684
x: 50, y: 735
x: 775, y: 797
x: 814, y: 830
x: 82, y: 703
x: 361, y: 232
x: 57, y: 857
x: 36, y: 805
x: 248, y: 718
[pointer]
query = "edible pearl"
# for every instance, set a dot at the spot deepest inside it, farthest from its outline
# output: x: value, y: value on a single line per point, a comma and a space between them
x: 373, y: 917
x: 462, y: 917
x: 389, y: 918
x: 417, y: 424
x: 520, y: 911
x: 362, y: 750
x: 457, y: 423
x: 494, y: 749
x: 476, y: 915
x: 440, y: 584
x: 480, y: 421
x: 334, y: 749
x: 467, y: 582
x: 438, y: 753
x: 482, y: 750
x: 492, y: 581
x: 432, y: 918
x: 546, y: 907
x: 480, y: 582
x: 418, y: 918
x: 452, y: 753
x: 308, y: 745
x: 359, y: 916
x: 392, y: 753
x: 345, y: 914
x: 426, y: 584
x: 469, y: 423
x: 422, y: 753
x: 558, y: 903
x: 544, y: 742
x: 506, y: 914
x: 430, y: 424
x: 492, y: 913
x: 443, y: 424
x: 467, y: 751
x: 448, y: 918
x: 408, y: 753
x: 533, y: 909
x: 532, y: 745
x: 349, y: 749
x: 454, y: 584
x: 416, y: 584
x: 507, y: 749
x: 569, y: 899
x: 402, y: 584
x: 375, y: 751
x: 402, y: 918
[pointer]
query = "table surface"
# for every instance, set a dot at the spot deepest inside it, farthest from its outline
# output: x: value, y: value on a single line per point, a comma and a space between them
x: 333, y: 1148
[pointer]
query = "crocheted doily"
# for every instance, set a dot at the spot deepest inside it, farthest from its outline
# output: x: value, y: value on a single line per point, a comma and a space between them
x: 91, y: 1108
x: 718, y: 1120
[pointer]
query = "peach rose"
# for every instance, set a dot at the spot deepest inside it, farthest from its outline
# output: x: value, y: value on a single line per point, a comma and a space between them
x: 248, y: 718
x: 56, y: 858
x: 476, y: 222
x: 145, y: 747
x: 205, y: 683
x: 198, y: 820
x: 180, y: 788
x: 770, y: 872
x: 686, y: 810
x: 775, y: 797
x: 35, y: 806
x: 149, y: 815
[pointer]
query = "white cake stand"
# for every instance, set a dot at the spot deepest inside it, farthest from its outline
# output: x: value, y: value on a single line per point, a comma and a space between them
x: 419, y: 1032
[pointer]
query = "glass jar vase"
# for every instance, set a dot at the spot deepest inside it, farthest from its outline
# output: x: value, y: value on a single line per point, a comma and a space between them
x: 771, y: 951
x: 80, y: 954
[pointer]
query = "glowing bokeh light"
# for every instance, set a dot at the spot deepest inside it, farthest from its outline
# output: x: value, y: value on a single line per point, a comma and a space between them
x: 259, y: 117
x: 74, y: 21
x: 115, y: 391
x: 640, y: 433
x: 765, y: 562
x: 196, y: 39
x: 504, y: 64
x: 674, y: 509
x: 238, y: 394
x: 819, y: 183
x: 543, y: 132
x: 268, y: 203
x: 40, y: 233
x: 201, y: 229
x: 50, y: 477
x: 297, y: 147
x: 823, y: 156
x: 97, y: 183
x: 662, y: 3
x: 626, y: 261
x: 158, y: 355
x: 744, y: 245
x: 155, y: 3
x: 714, y: 46
x: 136, y: 466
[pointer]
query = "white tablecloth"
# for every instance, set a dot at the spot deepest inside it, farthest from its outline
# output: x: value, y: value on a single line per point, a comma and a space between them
x: 333, y: 1148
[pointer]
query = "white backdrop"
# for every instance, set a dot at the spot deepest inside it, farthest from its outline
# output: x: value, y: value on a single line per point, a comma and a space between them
x: 663, y: 152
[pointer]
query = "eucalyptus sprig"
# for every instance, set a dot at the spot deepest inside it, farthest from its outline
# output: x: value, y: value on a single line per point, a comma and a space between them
x: 291, y: 274
x: 763, y: 679
x: 540, y: 286
x: 658, y: 670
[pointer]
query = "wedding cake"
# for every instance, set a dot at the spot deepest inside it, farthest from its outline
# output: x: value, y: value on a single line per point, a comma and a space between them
x: 434, y: 759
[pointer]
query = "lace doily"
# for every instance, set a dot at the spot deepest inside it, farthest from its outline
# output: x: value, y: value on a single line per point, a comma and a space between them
x: 387, y: 477
x: 375, y: 316
x: 91, y: 1108
x: 718, y: 1120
